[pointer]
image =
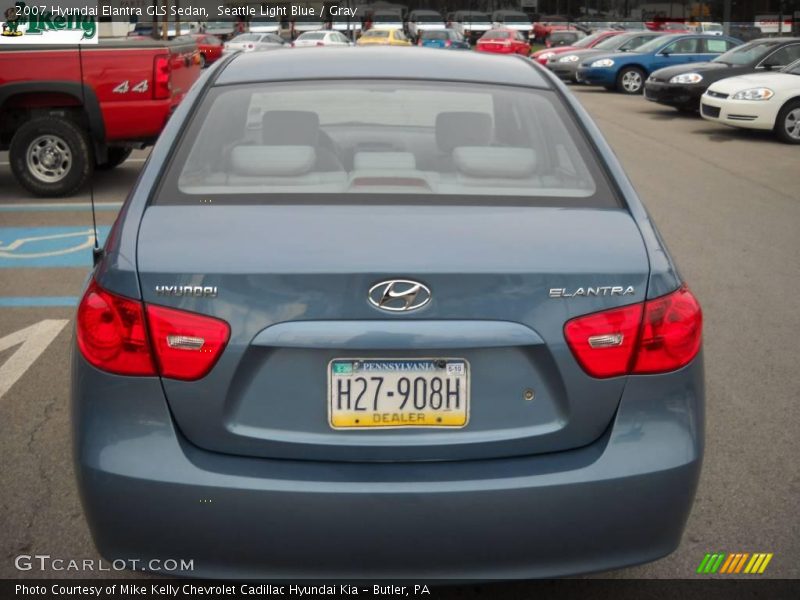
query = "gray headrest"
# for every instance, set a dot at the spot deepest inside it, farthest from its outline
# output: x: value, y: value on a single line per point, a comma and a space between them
x: 290, y: 127
x: 384, y: 160
x: 455, y: 129
x: 281, y: 161
x: 489, y: 162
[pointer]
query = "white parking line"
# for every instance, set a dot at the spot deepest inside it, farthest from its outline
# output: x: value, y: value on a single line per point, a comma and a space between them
x: 32, y: 342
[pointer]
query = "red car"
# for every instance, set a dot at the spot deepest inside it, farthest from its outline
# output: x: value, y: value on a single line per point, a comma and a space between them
x: 545, y: 26
x: 210, y: 47
x: 504, y: 41
x: 542, y: 56
x: 64, y: 113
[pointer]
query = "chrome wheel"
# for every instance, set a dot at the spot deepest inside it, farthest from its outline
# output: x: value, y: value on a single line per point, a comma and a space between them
x: 791, y: 124
x: 632, y: 82
x: 49, y: 158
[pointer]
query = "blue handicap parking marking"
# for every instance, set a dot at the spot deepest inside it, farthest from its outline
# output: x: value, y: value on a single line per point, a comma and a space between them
x: 26, y: 247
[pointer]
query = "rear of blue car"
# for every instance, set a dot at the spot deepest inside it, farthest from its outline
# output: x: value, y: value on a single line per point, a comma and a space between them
x: 448, y: 39
x: 379, y: 323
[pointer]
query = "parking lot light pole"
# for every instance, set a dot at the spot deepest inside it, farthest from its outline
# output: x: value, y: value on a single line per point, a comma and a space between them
x: 726, y: 16
x: 165, y: 22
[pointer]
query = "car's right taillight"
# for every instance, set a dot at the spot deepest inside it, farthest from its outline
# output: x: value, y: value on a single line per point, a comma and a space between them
x: 671, y: 335
x: 187, y: 345
x: 161, y: 78
x: 120, y: 335
x: 656, y: 336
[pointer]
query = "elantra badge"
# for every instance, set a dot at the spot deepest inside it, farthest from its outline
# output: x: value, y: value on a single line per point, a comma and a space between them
x: 603, y: 290
x: 399, y: 295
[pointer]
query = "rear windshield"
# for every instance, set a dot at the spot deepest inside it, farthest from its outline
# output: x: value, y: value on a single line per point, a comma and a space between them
x: 496, y: 34
x: 390, y: 18
x: 314, y: 35
x: 435, y: 35
x: 474, y: 18
x: 376, y: 33
x: 746, y: 54
x: 383, y: 141
x: 516, y: 19
x: 561, y: 36
x: 428, y: 19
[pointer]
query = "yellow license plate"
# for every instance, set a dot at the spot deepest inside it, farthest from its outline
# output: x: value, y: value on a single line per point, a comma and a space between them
x: 392, y: 393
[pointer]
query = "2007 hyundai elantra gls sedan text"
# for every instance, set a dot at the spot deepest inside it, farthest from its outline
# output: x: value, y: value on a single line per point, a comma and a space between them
x: 378, y: 313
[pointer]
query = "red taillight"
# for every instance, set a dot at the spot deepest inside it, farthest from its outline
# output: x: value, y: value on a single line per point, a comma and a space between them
x: 419, y: 42
x: 320, y: 43
x: 671, y: 332
x: 604, y: 342
x: 187, y: 344
x: 111, y: 333
x: 656, y: 336
x: 448, y: 43
x: 112, y: 336
x: 161, y: 78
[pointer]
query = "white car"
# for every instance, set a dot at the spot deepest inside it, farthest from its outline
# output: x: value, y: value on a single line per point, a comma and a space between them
x: 767, y: 100
x: 321, y: 38
x: 471, y: 24
x: 350, y: 29
x: 250, y: 42
x: 221, y: 29
x: 387, y: 19
x: 710, y: 28
x: 512, y: 19
x: 424, y: 20
x: 265, y: 27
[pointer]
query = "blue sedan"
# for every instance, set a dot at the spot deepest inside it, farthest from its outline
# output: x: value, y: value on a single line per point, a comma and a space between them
x: 627, y: 72
x: 442, y: 38
x: 392, y: 314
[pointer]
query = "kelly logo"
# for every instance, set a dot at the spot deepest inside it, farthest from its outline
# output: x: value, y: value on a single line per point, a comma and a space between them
x: 734, y: 563
x: 39, y: 25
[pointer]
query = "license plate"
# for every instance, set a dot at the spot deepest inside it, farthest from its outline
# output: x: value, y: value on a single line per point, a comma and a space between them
x: 392, y: 393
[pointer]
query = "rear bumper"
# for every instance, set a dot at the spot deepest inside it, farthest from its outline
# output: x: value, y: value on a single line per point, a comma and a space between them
x: 681, y: 96
x: 622, y: 500
x: 564, y: 71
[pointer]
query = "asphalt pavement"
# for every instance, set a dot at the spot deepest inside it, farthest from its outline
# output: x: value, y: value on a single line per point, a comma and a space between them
x: 726, y: 201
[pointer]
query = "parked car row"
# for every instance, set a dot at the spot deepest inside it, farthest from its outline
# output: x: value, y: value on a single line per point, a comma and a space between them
x: 754, y: 85
x: 626, y: 72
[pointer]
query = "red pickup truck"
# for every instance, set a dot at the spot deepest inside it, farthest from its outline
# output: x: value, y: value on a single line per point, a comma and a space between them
x: 65, y: 112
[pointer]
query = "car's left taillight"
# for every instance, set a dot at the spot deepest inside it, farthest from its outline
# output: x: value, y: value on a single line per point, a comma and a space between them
x: 123, y: 336
x: 112, y: 334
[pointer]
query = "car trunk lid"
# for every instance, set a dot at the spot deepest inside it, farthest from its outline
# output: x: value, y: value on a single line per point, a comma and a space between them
x: 293, y: 282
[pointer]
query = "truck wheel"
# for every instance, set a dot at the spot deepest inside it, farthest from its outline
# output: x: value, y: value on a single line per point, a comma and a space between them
x: 787, y: 125
x: 116, y: 156
x: 630, y: 81
x: 51, y: 157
